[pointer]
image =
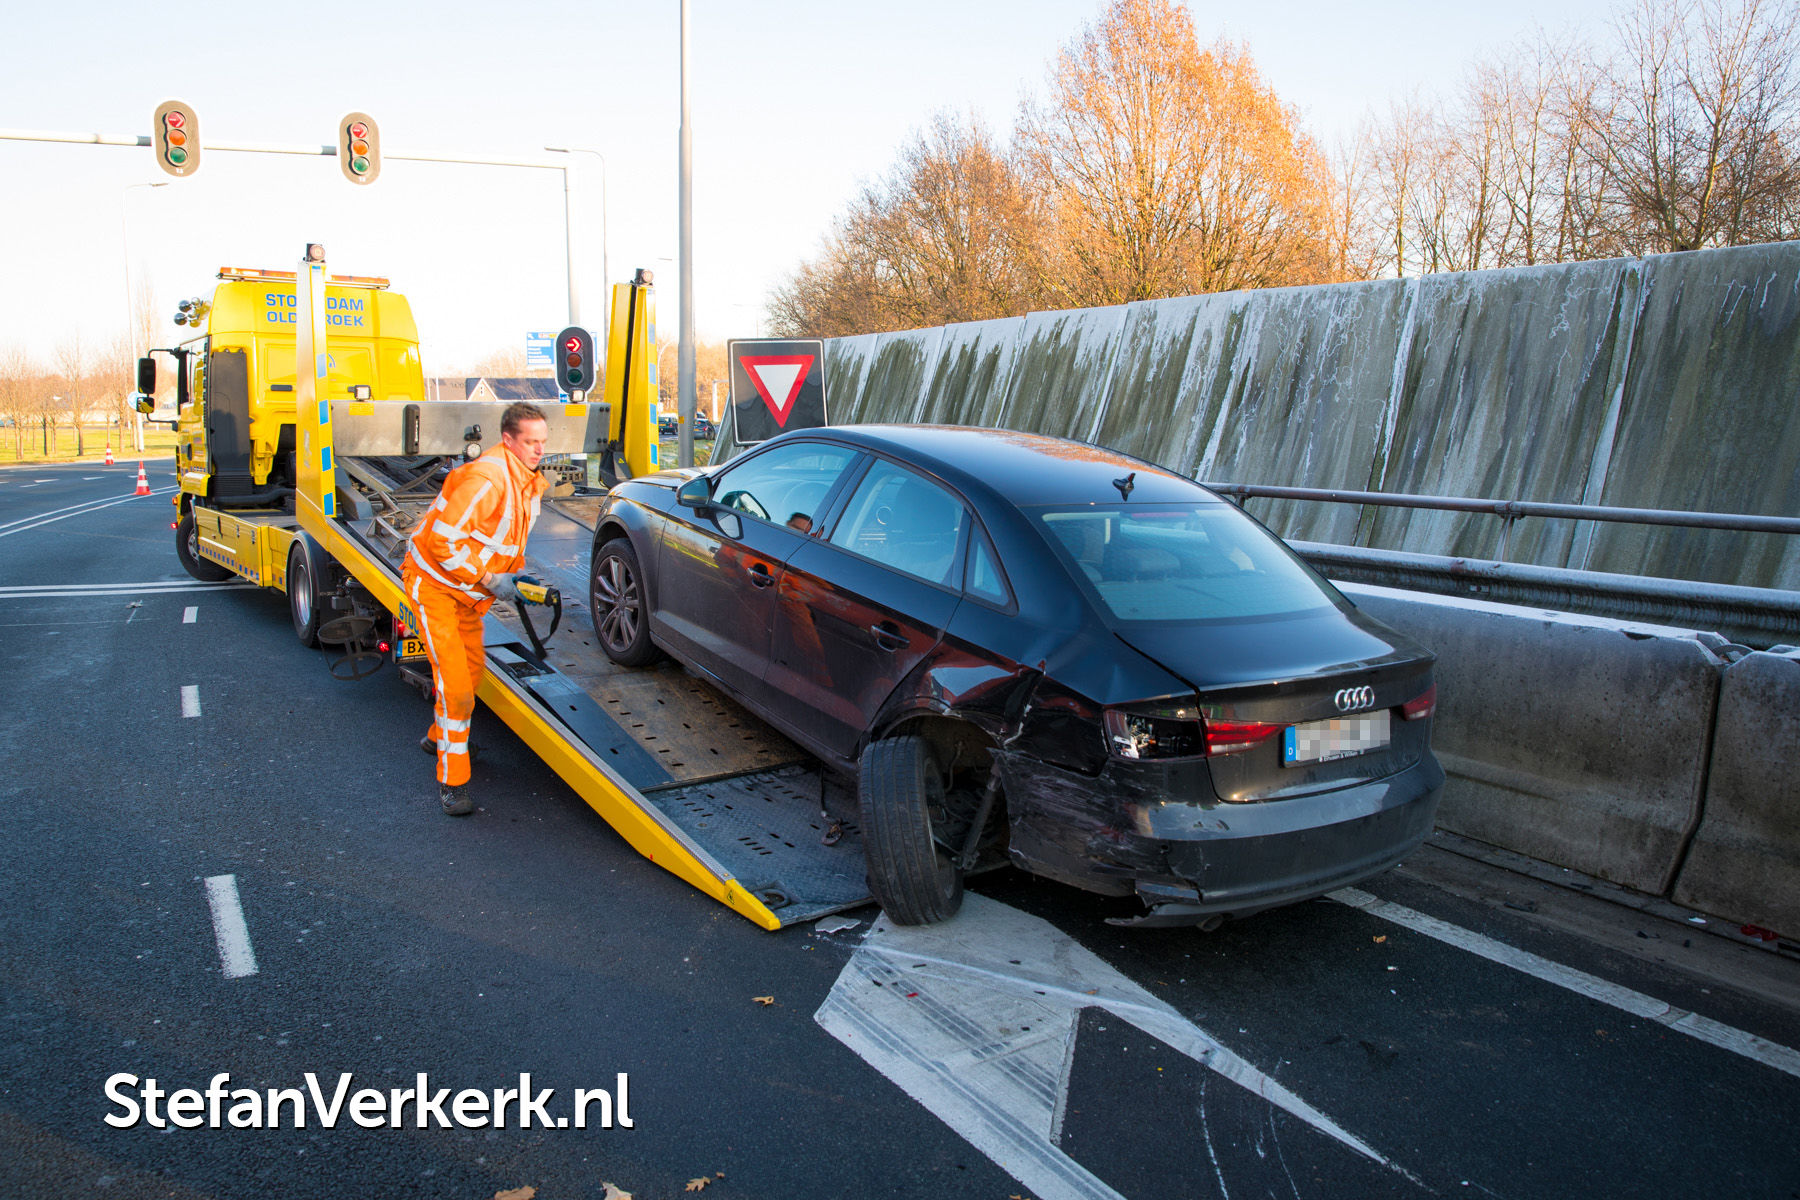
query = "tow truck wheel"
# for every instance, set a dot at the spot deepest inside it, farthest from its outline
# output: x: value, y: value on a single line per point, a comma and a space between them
x: 303, y: 578
x: 187, y: 549
x: 616, y: 598
x: 900, y: 793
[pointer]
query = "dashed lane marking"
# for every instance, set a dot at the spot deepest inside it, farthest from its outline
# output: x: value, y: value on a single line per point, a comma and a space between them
x: 190, y: 700
x: 1714, y: 1033
x: 189, y: 615
x: 236, y: 957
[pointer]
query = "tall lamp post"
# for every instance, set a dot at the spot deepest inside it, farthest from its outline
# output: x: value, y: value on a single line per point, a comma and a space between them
x: 130, y: 306
x: 605, y: 265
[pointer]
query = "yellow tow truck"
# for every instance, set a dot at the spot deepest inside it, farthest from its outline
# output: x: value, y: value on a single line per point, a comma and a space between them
x: 307, y: 454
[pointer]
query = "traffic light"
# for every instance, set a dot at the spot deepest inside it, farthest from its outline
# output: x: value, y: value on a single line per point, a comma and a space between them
x: 359, y: 148
x: 576, y: 370
x: 175, y: 131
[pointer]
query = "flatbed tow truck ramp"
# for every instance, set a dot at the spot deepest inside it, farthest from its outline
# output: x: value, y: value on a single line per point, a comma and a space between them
x: 691, y: 781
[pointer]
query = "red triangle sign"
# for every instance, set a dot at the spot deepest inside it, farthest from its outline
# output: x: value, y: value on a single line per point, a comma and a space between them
x: 778, y: 375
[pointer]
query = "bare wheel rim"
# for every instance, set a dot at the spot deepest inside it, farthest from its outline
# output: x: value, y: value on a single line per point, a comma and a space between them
x: 617, y: 588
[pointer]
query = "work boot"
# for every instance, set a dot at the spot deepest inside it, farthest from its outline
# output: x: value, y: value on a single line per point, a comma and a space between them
x: 455, y: 800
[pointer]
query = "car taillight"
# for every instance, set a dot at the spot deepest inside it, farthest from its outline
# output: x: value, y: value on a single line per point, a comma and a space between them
x: 1181, y: 732
x: 1420, y: 706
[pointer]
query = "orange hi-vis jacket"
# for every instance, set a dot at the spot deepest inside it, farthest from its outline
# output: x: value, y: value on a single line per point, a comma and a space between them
x: 479, y: 524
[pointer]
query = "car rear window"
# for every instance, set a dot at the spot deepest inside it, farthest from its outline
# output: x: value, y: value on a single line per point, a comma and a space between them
x: 1181, y: 562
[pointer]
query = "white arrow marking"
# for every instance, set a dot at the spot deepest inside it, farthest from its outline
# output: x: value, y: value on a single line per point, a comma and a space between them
x: 939, y: 1009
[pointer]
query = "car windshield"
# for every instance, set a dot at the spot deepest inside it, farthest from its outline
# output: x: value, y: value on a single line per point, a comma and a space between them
x: 1181, y: 562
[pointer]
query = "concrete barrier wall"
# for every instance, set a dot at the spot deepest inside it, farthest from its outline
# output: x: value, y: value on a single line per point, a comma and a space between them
x: 1664, y: 382
x: 1580, y: 741
x: 1745, y: 860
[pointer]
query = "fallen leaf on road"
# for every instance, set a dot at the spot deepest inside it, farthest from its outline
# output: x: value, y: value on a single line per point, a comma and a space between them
x: 697, y: 1185
x: 613, y: 1193
x: 1381, y: 938
x: 763, y: 999
x: 518, y: 1193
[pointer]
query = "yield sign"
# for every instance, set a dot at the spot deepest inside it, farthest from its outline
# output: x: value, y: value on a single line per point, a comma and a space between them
x: 777, y: 386
x: 778, y: 378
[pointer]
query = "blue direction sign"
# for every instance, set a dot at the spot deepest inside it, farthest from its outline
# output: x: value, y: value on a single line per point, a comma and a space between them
x: 537, y: 351
x: 777, y: 384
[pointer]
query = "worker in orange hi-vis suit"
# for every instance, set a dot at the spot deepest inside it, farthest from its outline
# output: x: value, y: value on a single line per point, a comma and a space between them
x: 467, y: 553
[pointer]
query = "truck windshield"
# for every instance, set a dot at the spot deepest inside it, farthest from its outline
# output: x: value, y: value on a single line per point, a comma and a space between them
x: 1181, y: 563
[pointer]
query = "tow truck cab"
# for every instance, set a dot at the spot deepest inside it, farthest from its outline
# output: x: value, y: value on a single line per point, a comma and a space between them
x: 235, y: 383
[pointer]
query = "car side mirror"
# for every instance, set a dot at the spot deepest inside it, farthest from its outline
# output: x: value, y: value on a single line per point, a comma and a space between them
x: 147, y: 375
x: 696, y: 493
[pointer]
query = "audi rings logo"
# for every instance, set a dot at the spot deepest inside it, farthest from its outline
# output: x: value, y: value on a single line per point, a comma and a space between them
x: 1351, y: 699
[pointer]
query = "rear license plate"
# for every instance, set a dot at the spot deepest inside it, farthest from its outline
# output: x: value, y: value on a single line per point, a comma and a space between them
x: 1340, y: 737
x: 412, y: 648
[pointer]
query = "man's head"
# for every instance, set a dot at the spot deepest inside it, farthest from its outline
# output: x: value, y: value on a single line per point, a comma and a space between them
x: 524, y: 431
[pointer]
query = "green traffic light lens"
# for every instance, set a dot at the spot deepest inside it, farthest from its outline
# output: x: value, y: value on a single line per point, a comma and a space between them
x: 176, y: 155
x: 574, y: 374
x: 360, y: 165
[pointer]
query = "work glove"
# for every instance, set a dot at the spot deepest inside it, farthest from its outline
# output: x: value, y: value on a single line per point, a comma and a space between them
x: 504, y: 586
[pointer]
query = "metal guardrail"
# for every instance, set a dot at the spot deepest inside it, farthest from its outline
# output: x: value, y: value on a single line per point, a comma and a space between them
x: 1759, y: 617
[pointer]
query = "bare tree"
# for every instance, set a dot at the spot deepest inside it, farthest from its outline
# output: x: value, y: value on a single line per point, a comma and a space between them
x: 17, y: 376
x: 74, y: 360
x: 1692, y: 124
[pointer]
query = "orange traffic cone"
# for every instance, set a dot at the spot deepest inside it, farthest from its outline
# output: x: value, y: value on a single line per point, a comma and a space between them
x: 143, y: 487
x: 109, y: 461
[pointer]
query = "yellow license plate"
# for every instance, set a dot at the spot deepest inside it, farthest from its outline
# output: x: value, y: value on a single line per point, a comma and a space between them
x: 412, y: 648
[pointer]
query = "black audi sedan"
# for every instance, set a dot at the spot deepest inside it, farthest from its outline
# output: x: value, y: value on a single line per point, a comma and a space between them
x: 1025, y: 647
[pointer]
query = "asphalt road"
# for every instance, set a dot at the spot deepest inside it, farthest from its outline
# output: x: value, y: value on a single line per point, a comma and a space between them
x: 1441, y: 1034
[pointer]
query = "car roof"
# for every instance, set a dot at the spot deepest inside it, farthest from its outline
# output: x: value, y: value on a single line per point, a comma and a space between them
x: 1023, y: 469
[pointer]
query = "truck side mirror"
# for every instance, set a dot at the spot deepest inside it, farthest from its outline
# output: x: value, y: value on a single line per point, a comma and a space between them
x: 147, y: 375
x: 143, y: 402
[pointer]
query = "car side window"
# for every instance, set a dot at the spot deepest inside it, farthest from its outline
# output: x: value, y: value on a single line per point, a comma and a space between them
x: 785, y: 486
x: 984, y: 580
x: 904, y: 521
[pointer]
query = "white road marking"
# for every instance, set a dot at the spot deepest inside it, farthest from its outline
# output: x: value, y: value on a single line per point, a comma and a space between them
x: 75, y: 510
x: 976, y: 1018
x: 189, y: 615
x: 1725, y: 1037
x: 236, y: 957
x: 190, y: 700
x: 91, y: 478
x: 90, y: 590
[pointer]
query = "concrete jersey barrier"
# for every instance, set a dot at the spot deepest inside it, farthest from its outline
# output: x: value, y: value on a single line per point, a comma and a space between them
x: 1745, y: 860
x: 1578, y: 740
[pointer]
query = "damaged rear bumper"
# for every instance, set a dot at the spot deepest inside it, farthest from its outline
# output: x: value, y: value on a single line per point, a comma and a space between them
x: 1194, y: 862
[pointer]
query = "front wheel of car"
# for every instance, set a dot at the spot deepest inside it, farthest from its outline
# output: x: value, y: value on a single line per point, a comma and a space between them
x: 901, y: 793
x: 616, y: 598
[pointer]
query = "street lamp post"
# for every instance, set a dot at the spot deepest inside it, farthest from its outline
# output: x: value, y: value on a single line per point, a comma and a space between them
x: 130, y: 307
x: 605, y: 264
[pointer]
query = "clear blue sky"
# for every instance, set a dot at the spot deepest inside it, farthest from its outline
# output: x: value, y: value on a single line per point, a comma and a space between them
x: 795, y: 105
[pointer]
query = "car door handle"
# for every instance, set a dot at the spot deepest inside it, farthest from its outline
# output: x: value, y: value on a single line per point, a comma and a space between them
x: 887, y: 637
x: 759, y: 575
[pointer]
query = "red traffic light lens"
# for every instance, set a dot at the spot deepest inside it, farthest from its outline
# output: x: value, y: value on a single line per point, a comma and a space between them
x: 572, y: 345
x: 358, y: 130
x: 574, y: 359
x: 174, y: 119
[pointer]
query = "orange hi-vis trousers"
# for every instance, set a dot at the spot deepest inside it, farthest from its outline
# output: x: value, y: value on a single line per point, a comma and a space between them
x: 452, y: 634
